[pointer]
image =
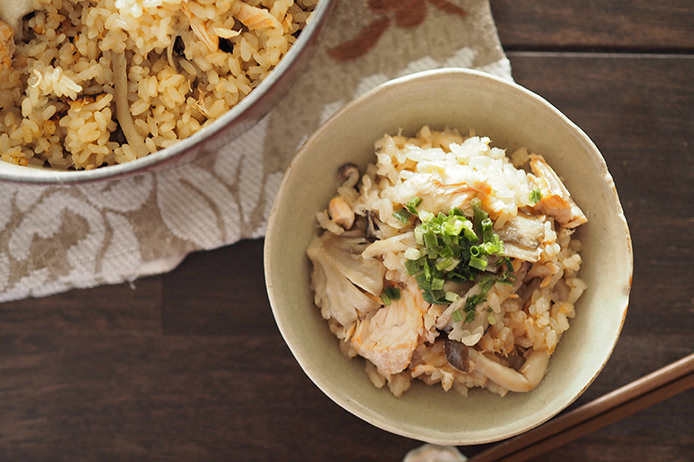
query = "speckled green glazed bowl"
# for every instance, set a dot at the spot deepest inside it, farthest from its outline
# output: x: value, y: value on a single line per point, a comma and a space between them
x: 513, y: 117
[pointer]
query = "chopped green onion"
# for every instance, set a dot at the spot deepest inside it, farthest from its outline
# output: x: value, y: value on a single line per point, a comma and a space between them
x: 392, y: 292
x: 425, y: 216
x: 447, y: 249
x: 427, y: 270
x: 478, y: 213
x: 479, y: 263
x: 419, y: 235
x: 486, y: 283
x: 535, y: 196
x: 509, y: 265
x: 450, y: 247
x: 491, y: 319
x: 468, y: 232
x: 429, y: 297
x: 447, y: 264
x: 471, y: 302
x: 422, y: 282
x: 494, y: 246
x: 470, y: 316
x: 430, y: 241
x: 413, y: 267
x: 487, y: 229
x: 413, y: 203
x: 452, y: 229
x: 412, y: 253
x: 385, y: 299
x: 499, y: 245
x: 456, y: 316
x: 452, y: 296
x: 403, y: 215
x: 456, y: 275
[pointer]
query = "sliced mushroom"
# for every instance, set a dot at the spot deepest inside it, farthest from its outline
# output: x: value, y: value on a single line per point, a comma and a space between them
x: 523, y: 380
x: 125, y: 119
x: 370, y: 227
x: 515, y: 359
x: 349, y: 174
x: 522, y: 237
x: 340, y: 212
x: 457, y: 355
x: 397, y: 243
x: 524, y: 230
x: 522, y: 253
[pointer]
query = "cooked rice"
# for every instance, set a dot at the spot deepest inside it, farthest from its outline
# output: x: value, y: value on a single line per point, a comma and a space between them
x: 187, y: 61
x: 353, y: 263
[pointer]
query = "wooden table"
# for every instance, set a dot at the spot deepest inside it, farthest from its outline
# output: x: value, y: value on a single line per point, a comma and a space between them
x: 190, y: 366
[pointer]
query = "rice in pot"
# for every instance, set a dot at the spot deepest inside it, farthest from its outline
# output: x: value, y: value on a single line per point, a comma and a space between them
x: 101, y: 83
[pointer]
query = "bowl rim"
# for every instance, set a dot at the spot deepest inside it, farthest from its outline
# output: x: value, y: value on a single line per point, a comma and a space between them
x: 168, y: 155
x: 271, y: 244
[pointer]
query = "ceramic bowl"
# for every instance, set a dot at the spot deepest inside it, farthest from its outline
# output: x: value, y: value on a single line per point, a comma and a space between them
x: 234, y: 122
x: 512, y: 117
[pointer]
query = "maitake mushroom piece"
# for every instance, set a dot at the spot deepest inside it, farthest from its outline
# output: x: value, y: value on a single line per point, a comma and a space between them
x: 345, y: 283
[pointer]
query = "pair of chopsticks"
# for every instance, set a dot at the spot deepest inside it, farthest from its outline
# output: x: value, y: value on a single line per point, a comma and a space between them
x: 629, y: 399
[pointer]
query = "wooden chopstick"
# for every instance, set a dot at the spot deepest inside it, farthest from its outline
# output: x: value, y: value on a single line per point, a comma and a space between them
x: 639, y: 394
x: 602, y: 420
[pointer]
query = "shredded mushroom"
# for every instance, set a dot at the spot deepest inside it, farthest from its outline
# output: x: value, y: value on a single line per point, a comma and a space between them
x: 256, y: 18
x: 120, y: 78
x: 170, y: 49
x: 199, y: 28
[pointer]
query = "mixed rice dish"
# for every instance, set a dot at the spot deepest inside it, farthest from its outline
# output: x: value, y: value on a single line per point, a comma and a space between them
x: 449, y: 262
x: 86, y: 83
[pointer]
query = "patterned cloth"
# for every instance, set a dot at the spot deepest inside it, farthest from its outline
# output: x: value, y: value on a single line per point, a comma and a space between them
x: 54, y: 238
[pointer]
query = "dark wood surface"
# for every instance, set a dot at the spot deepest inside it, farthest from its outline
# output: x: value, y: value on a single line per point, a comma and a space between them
x: 190, y: 366
x: 634, y: 25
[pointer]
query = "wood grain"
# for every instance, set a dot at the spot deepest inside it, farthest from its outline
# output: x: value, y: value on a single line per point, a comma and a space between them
x: 105, y: 309
x: 190, y: 366
x: 637, y: 25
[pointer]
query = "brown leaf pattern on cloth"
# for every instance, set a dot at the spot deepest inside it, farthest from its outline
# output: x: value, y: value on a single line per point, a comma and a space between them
x: 408, y: 15
x: 362, y: 43
x: 449, y: 7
